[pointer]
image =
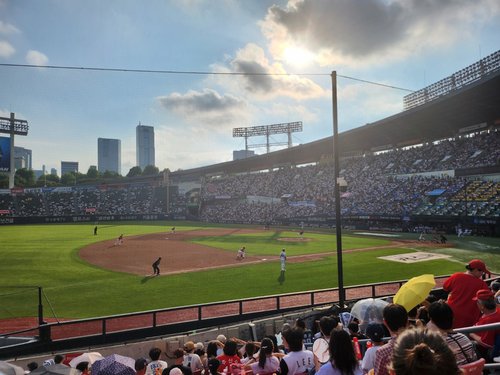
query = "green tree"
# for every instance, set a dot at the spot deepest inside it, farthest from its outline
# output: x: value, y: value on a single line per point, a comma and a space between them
x: 48, y: 180
x: 110, y: 174
x: 150, y: 170
x: 68, y: 179
x: 92, y: 172
x: 4, y: 181
x: 24, y: 178
x: 134, y: 171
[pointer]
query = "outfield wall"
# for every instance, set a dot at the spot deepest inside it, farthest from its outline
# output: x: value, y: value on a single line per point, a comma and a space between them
x: 443, y: 224
x: 84, y: 219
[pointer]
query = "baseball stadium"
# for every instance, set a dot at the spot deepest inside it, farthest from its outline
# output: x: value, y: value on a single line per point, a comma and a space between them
x: 358, y: 214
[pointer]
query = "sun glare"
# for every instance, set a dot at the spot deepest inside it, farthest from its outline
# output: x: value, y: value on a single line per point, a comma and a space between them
x: 297, y: 56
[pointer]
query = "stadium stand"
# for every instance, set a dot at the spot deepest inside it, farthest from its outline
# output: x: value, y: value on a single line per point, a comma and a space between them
x: 401, y: 183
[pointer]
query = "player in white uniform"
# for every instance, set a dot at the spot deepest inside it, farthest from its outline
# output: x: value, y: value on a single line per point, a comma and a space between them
x: 283, y: 260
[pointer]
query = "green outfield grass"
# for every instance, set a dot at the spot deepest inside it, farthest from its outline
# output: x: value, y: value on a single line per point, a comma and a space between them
x: 47, y: 256
x: 271, y: 242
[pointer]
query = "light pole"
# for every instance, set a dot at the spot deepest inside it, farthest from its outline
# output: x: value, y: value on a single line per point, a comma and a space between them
x: 338, y: 222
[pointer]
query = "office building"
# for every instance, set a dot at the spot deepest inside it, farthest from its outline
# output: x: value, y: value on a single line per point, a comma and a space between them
x: 22, y: 158
x: 109, y: 155
x: 68, y: 167
x: 145, y: 145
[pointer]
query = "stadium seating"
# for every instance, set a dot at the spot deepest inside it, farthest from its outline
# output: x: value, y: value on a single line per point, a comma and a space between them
x: 401, y: 182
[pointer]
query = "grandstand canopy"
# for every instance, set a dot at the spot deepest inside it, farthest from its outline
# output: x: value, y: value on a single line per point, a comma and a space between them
x: 441, y: 118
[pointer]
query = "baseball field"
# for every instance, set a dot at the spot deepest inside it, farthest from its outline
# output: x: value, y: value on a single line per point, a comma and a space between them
x: 87, y: 275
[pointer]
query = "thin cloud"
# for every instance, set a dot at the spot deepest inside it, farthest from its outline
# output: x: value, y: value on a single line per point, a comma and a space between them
x: 7, y: 28
x: 6, y: 49
x: 175, y: 152
x: 36, y: 58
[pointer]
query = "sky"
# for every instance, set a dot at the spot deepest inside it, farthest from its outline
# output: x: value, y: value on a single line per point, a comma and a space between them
x: 294, y: 45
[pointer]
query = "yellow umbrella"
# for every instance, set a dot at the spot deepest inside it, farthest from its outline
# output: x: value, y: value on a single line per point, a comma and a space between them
x: 414, y: 291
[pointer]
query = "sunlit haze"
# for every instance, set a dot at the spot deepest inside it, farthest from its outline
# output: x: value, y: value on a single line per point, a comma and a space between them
x: 403, y: 43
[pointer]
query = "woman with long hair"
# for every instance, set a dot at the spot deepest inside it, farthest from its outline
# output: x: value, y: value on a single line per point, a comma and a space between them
x: 267, y: 363
x: 342, y: 357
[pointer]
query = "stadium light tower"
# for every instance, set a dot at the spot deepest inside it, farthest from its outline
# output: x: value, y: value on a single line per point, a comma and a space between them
x: 11, y: 125
x: 267, y: 130
x: 338, y: 222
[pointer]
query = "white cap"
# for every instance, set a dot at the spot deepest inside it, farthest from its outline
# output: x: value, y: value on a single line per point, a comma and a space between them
x: 222, y: 338
x: 199, y: 346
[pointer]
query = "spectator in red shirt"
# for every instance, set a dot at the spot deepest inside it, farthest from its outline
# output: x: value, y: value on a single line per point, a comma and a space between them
x: 229, y: 356
x: 491, y: 314
x: 462, y: 288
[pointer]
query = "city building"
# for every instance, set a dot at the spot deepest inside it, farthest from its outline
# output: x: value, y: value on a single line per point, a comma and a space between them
x: 145, y: 145
x: 109, y: 155
x: 22, y: 158
x: 53, y: 171
x: 68, y: 167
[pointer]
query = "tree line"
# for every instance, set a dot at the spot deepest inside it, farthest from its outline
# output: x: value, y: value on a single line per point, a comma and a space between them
x: 26, y: 177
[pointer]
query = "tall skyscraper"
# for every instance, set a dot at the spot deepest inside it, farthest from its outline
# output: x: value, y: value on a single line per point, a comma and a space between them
x: 145, y: 145
x: 109, y: 153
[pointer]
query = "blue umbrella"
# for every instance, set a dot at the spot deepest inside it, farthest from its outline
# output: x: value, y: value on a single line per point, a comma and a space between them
x: 114, y: 365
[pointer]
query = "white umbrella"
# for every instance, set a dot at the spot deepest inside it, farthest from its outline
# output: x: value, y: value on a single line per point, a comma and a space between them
x: 368, y: 310
x: 7, y: 368
x: 90, y: 357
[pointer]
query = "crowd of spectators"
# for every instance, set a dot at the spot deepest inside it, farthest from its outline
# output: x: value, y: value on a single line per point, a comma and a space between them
x: 122, y: 200
x: 391, y: 183
x: 419, y: 341
x: 402, y: 182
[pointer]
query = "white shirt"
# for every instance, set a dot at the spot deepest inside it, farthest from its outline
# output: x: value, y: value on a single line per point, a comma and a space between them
x: 369, y: 359
x: 156, y: 367
x: 297, y: 362
x: 193, y: 361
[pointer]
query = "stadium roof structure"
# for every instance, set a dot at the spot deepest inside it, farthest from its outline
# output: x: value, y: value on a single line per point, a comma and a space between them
x: 444, y: 117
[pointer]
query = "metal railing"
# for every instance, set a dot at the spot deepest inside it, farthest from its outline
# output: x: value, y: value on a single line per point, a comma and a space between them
x: 144, y: 324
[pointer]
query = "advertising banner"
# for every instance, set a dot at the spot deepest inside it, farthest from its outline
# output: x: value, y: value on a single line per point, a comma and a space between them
x: 4, y: 154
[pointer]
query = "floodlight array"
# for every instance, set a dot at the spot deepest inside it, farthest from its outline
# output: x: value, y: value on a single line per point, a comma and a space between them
x: 284, y: 128
x: 21, y: 127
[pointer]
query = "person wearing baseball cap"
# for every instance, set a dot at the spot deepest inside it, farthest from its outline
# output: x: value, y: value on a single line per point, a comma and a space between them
x: 476, y: 264
x: 192, y: 360
x: 462, y: 288
x: 490, y: 314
